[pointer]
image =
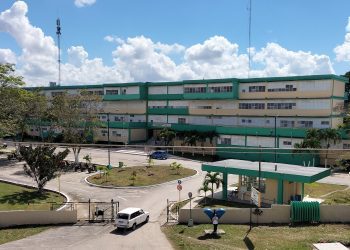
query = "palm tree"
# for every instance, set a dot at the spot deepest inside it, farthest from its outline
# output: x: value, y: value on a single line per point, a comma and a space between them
x: 213, y: 178
x: 329, y: 135
x: 205, y: 188
x: 311, y: 141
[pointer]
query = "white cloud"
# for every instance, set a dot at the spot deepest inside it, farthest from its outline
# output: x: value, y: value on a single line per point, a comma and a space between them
x: 141, y: 59
x: 278, y: 61
x: 342, y: 51
x: 83, y: 3
x: 113, y: 39
x: 7, y: 56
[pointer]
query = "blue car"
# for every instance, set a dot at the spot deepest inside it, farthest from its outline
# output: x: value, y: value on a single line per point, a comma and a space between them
x: 159, y: 155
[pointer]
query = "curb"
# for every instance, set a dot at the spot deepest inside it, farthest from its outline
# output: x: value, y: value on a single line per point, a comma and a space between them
x: 139, y: 187
x: 46, y: 189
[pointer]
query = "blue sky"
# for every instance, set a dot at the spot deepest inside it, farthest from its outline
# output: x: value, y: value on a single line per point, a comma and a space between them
x: 157, y: 40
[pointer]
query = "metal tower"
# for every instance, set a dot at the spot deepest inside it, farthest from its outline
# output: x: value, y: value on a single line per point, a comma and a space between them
x: 58, y: 33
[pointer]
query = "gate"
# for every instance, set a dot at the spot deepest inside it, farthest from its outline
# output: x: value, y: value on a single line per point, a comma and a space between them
x: 92, y: 211
x: 172, y: 211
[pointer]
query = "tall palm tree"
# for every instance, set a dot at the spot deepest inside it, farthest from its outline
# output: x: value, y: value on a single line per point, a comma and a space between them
x: 205, y: 188
x: 213, y: 178
x: 330, y: 135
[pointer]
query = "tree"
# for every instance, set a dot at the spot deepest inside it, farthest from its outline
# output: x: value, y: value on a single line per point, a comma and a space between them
x: 79, y: 123
x: 42, y: 163
x: 133, y: 177
x: 213, y: 178
x: 167, y: 135
x: 205, y: 188
x: 330, y: 135
x: 176, y: 166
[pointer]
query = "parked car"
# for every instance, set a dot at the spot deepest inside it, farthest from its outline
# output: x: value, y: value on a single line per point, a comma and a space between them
x: 131, y: 217
x: 159, y: 155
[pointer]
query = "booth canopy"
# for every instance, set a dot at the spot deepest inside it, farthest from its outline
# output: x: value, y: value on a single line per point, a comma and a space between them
x: 278, y: 171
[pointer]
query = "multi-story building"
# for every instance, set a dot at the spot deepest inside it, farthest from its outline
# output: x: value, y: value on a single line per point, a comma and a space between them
x: 272, y: 112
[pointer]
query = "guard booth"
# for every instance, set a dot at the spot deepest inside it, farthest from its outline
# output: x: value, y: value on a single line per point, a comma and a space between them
x: 279, y: 183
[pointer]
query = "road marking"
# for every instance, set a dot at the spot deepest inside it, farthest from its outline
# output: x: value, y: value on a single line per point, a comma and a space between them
x: 122, y: 198
x: 131, y: 152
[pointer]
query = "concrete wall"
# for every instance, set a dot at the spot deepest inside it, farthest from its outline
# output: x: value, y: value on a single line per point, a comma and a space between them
x: 138, y: 135
x: 275, y: 214
x: 16, y: 218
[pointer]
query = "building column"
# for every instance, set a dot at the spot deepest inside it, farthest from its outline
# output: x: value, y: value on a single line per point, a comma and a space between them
x: 302, y: 190
x: 280, y: 192
x: 224, y: 187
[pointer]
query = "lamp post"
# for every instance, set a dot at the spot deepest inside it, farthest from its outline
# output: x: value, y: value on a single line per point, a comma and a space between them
x: 109, y: 150
x: 275, y: 140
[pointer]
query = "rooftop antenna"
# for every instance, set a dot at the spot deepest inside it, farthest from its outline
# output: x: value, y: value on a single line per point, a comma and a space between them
x: 249, y: 36
x: 58, y: 33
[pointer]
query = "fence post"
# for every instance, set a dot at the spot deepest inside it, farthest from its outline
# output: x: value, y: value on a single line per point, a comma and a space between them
x: 89, y: 211
x: 112, y: 203
x: 167, y: 210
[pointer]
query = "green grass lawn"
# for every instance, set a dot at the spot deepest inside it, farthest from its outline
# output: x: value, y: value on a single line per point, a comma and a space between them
x: 14, y: 197
x: 121, y: 177
x: 262, y: 237
x: 339, y: 197
x: 316, y: 189
x: 11, y: 234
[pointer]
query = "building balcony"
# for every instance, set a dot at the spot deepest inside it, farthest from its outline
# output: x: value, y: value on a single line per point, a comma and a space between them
x: 168, y: 111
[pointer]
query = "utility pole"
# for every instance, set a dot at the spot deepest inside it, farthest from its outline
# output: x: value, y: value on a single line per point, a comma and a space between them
x: 109, y: 150
x: 58, y: 33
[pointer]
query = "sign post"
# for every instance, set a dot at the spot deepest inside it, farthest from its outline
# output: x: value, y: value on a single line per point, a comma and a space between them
x: 179, y: 187
x: 190, y: 221
x: 256, y: 197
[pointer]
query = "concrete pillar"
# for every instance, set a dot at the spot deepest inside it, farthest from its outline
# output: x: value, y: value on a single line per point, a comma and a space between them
x: 224, y: 187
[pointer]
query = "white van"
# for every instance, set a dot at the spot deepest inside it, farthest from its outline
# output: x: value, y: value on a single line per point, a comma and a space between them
x: 131, y: 217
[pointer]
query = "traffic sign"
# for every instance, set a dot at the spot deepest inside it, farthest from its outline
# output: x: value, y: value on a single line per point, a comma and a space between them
x: 190, y: 195
x: 179, y: 182
x: 179, y: 187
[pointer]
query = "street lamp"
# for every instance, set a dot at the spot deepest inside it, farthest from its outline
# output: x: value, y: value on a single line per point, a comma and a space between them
x: 109, y: 150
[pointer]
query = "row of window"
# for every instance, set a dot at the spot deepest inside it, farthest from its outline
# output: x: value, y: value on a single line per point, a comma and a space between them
x: 195, y: 90
x: 281, y: 105
x: 286, y: 89
x: 252, y: 106
x: 220, y: 89
x: 256, y: 88
x: 115, y: 92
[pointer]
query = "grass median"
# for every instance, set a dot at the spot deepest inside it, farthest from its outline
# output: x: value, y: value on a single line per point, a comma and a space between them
x: 14, y: 197
x: 140, y: 176
x: 260, y: 237
x: 17, y: 233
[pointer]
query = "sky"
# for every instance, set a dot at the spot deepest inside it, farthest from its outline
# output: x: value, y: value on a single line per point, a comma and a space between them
x: 117, y: 41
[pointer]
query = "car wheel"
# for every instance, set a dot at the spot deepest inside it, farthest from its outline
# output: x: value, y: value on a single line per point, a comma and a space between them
x: 147, y: 219
x: 134, y: 226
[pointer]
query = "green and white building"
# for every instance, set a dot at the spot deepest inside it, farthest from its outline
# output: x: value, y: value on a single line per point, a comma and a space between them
x: 271, y: 112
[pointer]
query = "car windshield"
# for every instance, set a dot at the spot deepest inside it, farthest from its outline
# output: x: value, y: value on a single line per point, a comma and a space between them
x: 123, y: 216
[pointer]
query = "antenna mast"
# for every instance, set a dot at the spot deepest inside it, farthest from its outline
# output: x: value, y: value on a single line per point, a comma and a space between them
x: 58, y: 33
x: 249, y: 36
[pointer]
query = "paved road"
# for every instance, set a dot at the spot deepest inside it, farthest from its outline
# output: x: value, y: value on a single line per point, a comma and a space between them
x: 103, y: 236
x: 148, y: 236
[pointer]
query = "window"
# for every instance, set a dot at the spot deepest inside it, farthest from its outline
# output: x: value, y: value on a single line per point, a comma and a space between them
x: 123, y: 91
x: 181, y: 120
x: 111, y: 92
x: 221, y: 89
x: 204, y: 107
x: 115, y: 133
x: 98, y: 92
x: 287, y: 143
x: 53, y: 94
x: 246, y: 121
x: 256, y: 88
x: 226, y: 141
x: 346, y: 146
x: 252, y: 106
x: 188, y: 90
x: 286, y: 89
x: 287, y: 124
x: 305, y: 124
x: 281, y: 105
x: 324, y: 122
